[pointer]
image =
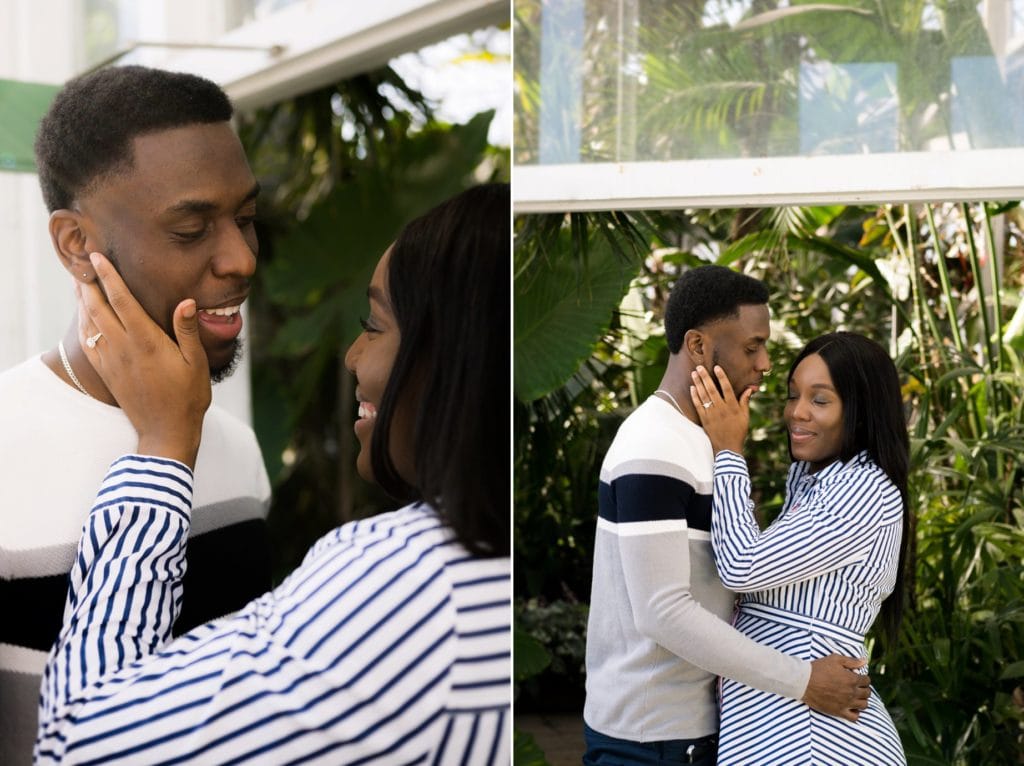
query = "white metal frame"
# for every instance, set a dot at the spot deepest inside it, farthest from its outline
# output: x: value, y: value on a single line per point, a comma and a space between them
x: 989, y: 174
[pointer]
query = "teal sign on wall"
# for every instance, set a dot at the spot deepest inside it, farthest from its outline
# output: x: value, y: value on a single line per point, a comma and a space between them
x: 22, y: 105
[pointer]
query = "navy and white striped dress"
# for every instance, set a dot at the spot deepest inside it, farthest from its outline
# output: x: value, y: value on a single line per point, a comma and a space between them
x: 389, y: 645
x: 812, y: 585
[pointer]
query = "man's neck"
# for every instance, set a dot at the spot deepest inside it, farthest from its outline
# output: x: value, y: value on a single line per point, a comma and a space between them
x: 676, y: 381
x: 80, y: 366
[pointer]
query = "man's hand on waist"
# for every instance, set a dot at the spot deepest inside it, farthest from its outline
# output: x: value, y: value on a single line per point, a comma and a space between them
x: 835, y: 689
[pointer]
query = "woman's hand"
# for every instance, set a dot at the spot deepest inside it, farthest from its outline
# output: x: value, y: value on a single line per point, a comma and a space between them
x: 725, y: 419
x: 163, y: 387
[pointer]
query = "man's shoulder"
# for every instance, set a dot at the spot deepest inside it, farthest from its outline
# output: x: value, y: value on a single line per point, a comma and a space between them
x: 656, y: 419
x: 660, y: 438
x: 229, y: 462
x: 22, y: 375
x: 227, y: 425
x: 224, y: 431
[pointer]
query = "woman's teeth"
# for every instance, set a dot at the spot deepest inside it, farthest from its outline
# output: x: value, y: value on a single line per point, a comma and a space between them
x: 367, y: 410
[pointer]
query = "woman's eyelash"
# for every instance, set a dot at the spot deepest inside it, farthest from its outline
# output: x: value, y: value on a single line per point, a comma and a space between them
x: 367, y: 327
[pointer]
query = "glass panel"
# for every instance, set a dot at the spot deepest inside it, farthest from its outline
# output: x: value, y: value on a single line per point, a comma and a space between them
x: 244, y: 11
x: 640, y: 80
x: 107, y: 25
x: 1017, y: 18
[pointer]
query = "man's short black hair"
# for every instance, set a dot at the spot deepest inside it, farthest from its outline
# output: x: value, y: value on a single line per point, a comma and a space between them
x: 87, y: 134
x: 706, y: 294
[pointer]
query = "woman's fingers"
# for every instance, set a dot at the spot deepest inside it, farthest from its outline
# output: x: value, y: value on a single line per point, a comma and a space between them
x: 705, y: 388
x: 698, y: 404
x: 96, y: 321
x: 745, y: 398
x: 186, y: 332
x: 706, y: 393
x: 95, y: 305
x: 117, y: 296
x: 723, y: 381
x: 163, y: 387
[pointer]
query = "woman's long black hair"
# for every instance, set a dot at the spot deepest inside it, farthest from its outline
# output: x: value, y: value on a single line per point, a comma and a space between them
x: 450, y: 290
x: 868, y: 384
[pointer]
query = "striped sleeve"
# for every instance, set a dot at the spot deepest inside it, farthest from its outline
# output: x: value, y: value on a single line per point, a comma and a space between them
x: 824, y: 535
x: 352, y: 659
x: 125, y: 585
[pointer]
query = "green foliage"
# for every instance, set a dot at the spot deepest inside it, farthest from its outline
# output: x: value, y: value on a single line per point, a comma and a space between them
x: 929, y: 282
x: 531, y: 656
x: 552, y: 635
x: 546, y: 638
x: 557, y: 312
x: 526, y: 751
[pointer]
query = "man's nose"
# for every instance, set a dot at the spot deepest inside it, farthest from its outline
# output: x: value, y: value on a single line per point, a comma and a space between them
x: 764, y: 362
x: 236, y: 255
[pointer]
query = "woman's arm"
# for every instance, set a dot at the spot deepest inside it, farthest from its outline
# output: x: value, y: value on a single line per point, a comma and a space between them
x: 835, y: 529
x: 351, y: 657
x: 125, y: 589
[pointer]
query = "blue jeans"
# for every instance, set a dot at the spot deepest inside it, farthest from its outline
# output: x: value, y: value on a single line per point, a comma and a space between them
x: 603, y: 750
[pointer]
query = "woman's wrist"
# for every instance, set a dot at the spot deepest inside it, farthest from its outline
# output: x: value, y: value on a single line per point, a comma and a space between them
x: 733, y: 448
x: 182, y: 449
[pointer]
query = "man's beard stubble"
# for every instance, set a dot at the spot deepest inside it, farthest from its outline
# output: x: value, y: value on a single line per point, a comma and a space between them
x: 225, y: 370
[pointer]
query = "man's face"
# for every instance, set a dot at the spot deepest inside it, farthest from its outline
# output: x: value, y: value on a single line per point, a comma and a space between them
x: 738, y: 344
x: 179, y: 225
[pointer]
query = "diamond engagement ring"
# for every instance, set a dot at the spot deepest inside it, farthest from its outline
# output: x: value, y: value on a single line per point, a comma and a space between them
x: 707, y: 405
x: 93, y: 339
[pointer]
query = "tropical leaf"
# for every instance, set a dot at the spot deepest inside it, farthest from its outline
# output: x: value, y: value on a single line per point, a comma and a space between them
x: 526, y: 751
x: 558, y: 316
x: 531, y: 658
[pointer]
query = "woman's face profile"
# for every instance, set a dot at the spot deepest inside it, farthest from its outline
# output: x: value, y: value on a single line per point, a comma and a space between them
x: 370, y: 359
x: 814, y: 414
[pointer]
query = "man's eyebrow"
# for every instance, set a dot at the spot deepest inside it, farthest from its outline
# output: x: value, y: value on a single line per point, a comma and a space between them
x: 191, y: 206
x: 205, y: 206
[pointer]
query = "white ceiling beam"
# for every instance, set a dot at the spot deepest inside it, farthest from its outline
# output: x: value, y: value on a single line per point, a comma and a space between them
x: 359, y: 40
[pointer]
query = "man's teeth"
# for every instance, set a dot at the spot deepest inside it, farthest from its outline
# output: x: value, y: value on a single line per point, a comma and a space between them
x: 227, y: 311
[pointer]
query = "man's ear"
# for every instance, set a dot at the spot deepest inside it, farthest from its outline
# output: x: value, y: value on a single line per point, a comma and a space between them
x: 72, y: 244
x: 694, y: 346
